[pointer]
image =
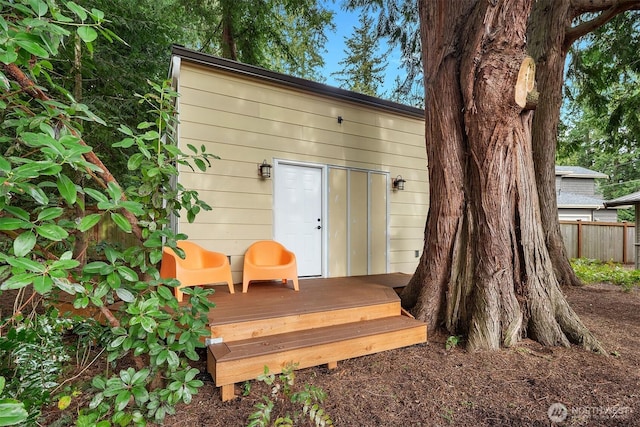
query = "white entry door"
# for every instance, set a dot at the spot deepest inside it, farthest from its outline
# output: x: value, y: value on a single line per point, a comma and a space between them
x: 298, y: 214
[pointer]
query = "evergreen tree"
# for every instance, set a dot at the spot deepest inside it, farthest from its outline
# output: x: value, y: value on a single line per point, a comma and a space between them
x: 602, y: 128
x: 397, y: 21
x: 280, y: 35
x: 302, y: 55
x: 362, y: 69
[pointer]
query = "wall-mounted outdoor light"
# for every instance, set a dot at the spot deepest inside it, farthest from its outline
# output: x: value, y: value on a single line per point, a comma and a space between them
x: 340, y: 120
x: 398, y: 183
x: 264, y: 169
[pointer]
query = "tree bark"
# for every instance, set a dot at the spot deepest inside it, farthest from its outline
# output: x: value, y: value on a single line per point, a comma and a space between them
x: 81, y: 239
x: 446, y: 232
x: 229, y: 48
x: 485, y: 270
x: 548, y: 22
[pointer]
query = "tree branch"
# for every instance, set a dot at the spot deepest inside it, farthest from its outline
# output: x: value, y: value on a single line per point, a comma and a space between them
x: 608, y: 8
x: 18, y: 311
x: 25, y: 82
x: 109, y: 316
x: 585, y: 6
x: 30, y: 87
x: 45, y: 253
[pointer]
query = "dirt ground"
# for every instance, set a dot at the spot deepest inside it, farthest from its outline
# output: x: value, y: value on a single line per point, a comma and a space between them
x: 426, y: 385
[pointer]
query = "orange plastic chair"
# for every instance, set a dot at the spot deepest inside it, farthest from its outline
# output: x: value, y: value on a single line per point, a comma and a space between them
x: 200, y: 267
x: 269, y: 260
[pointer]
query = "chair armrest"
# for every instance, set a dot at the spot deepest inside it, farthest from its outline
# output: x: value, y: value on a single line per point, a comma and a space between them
x: 214, y: 259
x: 289, y: 257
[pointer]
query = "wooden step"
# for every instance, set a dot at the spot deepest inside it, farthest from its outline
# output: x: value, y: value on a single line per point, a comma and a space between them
x: 237, y: 361
x: 273, y: 309
x: 294, y: 322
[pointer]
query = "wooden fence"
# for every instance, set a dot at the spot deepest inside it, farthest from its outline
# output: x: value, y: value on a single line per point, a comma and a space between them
x: 606, y: 241
x: 107, y: 231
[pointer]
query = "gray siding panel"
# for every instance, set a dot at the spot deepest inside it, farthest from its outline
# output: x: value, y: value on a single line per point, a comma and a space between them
x: 578, y: 186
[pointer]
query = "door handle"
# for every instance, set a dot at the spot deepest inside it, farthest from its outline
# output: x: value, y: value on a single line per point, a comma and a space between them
x: 319, y: 227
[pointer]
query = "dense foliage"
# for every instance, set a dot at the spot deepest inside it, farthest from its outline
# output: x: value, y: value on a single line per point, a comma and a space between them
x: 45, y: 169
x: 594, y: 271
x: 281, y: 35
x: 398, y: 23
x: 289, y: 405
x: 601, y: 124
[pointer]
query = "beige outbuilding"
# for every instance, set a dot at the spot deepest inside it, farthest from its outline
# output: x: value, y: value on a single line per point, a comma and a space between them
x: 334, y: 155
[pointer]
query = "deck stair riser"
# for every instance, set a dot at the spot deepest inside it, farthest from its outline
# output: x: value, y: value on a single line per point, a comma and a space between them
x: 244, y: 360
x: 287, y: 323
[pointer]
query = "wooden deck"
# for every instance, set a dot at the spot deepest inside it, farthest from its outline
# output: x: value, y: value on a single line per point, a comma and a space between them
x: 328, y: 320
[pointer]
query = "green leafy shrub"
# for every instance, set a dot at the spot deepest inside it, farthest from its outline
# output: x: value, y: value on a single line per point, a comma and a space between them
x: 285, y: 407
x: 32, y: 357
x: 452, y: 341
x: 594, y: 271
x: 48, y: 173
x: 12, y: 411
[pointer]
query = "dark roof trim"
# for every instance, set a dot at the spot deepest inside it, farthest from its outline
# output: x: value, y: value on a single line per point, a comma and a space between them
x: 294, y: 82
x: 627, y: 200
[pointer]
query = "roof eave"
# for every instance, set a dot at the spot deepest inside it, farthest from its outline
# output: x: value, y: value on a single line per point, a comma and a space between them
x: 293, y: 82
x: 580, y: 206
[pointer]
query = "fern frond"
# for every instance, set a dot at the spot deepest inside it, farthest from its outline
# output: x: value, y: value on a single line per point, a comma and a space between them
x: 262, y: 416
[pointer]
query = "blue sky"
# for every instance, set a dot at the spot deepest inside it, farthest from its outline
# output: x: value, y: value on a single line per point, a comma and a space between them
x: 344, y: 23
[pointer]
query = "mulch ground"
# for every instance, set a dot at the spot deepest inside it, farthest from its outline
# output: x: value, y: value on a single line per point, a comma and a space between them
x: 427, y: 385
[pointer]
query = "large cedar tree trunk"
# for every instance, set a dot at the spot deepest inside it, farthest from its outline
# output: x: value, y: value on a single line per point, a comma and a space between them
x: 485, y: 270
x: 546, y: 46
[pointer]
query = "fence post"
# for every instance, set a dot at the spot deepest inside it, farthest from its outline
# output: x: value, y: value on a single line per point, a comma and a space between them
x: 579, y: 238
x: 637, y: 242
x: 624, y: 242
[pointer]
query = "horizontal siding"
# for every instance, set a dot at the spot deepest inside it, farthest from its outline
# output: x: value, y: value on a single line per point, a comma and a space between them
x: 406, y: 233
x: 407, y: 221
x: 584, y: 186
x: 412, y: 209
x: 236, y: 216
x: 294, y: 122
x: 221, y: 141
x: 411, y: 244
x: 226, y: 183
x: 408, y: 267
x: 605, y: 215
x: 217, y: 232
x: 233, y: 200
x: 260, y: 94
x: 244, y: 121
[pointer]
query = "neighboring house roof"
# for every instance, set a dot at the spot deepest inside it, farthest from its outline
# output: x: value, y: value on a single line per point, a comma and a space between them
x: 570, y: 200
x: 627, y: 200
x: 578, y: 172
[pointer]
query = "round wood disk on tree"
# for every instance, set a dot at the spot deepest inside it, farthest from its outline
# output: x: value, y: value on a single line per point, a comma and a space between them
x: 526, y: 81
